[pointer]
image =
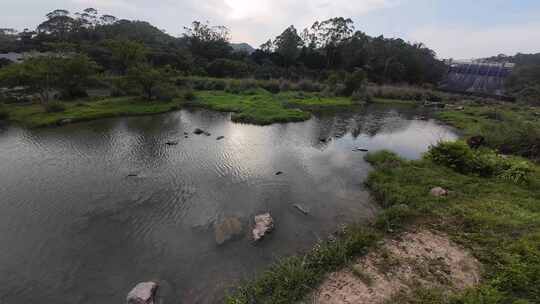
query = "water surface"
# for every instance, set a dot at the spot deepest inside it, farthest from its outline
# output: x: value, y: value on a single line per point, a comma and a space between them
x: 76, y: 229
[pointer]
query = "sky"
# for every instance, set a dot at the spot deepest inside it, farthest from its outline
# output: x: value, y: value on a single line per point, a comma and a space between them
x: 460, y: 29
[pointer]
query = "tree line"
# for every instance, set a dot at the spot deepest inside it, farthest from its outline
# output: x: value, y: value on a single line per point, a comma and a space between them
x: 329, y: 50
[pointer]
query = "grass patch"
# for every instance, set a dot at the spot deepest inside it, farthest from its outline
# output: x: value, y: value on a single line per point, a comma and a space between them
x: 511, y: 129
x: 497, y: 219
x: 260, y: 107
x: 36, y: 115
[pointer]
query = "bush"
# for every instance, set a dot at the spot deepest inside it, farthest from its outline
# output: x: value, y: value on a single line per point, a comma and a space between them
x: 227, y: 68
x: 272, y: 86
x: 55, y: 107
x: 166, y: 92
x: 354, y: 81
x: 484, y: 162
x: 4, y: 115
x: 309, y: 86
x: 189, y: 95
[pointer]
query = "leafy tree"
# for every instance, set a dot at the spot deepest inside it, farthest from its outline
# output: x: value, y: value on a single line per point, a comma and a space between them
x: 74, y: 75
x: 288, y: 45
x: 208, y: 42
x: 37, y: 75
x: 58, y: 25
x: 146, y: 79
x: 126, y: 53
x: 227, y: 68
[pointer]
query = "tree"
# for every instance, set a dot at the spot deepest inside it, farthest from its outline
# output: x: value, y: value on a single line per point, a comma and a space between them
x: 58, y: 25
x: 36, y: 75
x: 74, y: 75
x: 126, y: 53
x: 146, y: 79
x: 208, y: 42
x: 328, y: 35
x: 288, y: 45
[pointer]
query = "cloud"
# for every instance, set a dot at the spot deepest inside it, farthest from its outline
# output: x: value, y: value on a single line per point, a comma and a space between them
x: 466, y: 43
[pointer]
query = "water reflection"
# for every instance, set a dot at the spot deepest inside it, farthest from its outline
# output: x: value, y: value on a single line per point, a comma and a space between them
x: 81, y: 231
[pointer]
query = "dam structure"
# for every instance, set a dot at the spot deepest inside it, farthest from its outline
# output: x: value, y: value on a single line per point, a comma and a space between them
x: 476, y: 77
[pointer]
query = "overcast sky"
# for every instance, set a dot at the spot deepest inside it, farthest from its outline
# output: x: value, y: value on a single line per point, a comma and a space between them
x: 453, y: 28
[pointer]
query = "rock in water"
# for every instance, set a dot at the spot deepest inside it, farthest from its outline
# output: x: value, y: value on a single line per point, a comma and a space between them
x: 172, y: 143
x: 301, y: 209
x: 142, y: 293
x: 220, y: 137
x: 279, y: 173
x: 264, y: 224
x: 207, y: 133
x: 227, y: 230
x: 198, y: 131
x: 439, y: 192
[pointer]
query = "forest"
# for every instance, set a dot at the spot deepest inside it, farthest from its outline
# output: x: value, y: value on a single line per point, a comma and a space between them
x: 327, y: 49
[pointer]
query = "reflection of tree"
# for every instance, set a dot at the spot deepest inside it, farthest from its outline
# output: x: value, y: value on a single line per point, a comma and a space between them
x: 369, y: 120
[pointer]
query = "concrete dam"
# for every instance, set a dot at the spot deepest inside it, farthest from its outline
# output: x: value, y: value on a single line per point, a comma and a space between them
x: 477, y: 78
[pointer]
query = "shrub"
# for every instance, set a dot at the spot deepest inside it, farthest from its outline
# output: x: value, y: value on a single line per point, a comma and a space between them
x: 227, y: 68
x: 484, y: 162
x: 166, y: 92
x: 54, y: 107
x: 309, y: 86
x: 354, y: 81
x: 4, y: 114
x: 518, y: 172
x: 189, y: 95
x: 272, y: 86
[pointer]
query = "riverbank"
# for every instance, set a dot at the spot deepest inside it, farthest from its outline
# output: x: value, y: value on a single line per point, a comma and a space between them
x: 256, y: 106
x: 36, y: 115
x: 495, y: 217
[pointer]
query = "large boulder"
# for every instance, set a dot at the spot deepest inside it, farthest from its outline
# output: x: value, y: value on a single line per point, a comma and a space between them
x: 264, y: 224
x: 227, y: 230
x: 143, y: 293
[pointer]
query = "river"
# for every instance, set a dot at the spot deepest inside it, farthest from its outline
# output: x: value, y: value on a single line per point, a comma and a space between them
x: 76, y: 228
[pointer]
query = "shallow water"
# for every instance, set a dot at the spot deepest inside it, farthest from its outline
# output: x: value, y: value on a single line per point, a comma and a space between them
x: 76, y: 229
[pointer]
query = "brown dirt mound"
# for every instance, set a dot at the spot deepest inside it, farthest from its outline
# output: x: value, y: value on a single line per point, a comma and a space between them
x: 415, y: 259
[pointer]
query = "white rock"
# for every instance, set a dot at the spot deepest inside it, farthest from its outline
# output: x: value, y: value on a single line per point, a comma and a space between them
x: 142, y: 293
x: 438, y: 192
x: 263, y: 224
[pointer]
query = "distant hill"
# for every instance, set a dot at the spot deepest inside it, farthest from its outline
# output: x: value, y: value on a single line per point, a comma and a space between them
x: 242, y: 47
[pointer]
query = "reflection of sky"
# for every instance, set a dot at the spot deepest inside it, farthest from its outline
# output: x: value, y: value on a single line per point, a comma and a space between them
x: 410, y: 142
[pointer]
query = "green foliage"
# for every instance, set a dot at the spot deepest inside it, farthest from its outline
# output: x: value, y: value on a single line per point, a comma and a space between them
x: 354, y: 82
x: 227, y: 68
x: 4, y: 114
x: 35, y: 115
x: 126, y: 54
x: 484, y: 162
x: 54, y: 107
x: 74, y: 74
x: 166, y: 92
x: 508, y: 130
x: 146, y: 79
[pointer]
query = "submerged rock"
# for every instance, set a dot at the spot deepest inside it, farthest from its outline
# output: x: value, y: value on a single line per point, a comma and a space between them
x: 142, y: 293
x: 207, y: 133
x: 227, y: 230
x: 220, y: 137
x: 439, y: 192
x: 279, y: 173
x: 198, y: 131
x: 172, y: 143
x: 264, y: 224
x: 301, y: 209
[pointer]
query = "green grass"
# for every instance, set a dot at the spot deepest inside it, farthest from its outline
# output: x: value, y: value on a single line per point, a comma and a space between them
x: 35, y: 115
x: 260, y: 107
x: 395, y: 101
x: 499, y: 221
x: 511, y: 129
